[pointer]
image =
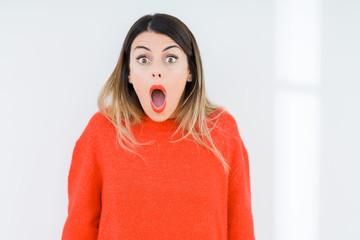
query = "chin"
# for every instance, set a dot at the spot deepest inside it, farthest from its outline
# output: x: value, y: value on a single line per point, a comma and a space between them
x: 159, y: 117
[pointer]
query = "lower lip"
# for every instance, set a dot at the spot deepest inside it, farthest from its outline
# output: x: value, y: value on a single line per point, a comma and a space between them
x: 158, y: 110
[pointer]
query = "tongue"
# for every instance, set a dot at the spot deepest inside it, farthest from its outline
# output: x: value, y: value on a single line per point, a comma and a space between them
x: 158, y: 97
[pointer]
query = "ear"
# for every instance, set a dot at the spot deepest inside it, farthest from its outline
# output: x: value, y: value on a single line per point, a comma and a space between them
x: 130, y: 81
x: 189, y: 78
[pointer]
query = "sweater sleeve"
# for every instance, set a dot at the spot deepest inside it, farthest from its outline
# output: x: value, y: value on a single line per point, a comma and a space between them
x: 240, y: 219
x: 84, y: 190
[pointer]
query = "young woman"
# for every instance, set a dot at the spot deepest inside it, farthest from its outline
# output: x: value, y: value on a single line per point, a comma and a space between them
x: 158, y: 160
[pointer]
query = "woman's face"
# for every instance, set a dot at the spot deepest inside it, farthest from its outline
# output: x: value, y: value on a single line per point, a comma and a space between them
x: 157, y: 62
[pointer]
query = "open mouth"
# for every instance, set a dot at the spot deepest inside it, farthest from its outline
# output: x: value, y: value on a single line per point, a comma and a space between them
x: 158, y: 98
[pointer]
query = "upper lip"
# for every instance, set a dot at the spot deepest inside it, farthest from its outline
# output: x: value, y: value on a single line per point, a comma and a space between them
x: 161, y: 87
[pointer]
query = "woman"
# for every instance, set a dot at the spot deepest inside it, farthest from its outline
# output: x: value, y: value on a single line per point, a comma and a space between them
x: 158, y: 160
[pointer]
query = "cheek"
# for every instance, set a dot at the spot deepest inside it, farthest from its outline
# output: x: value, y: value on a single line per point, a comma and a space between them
x: 139, y: 82
x: 135, y: 70
x: 176, y: 84
x: 176, y: 77
x: 140, y: 88
x: 136, y: 73
x: 179, y: 68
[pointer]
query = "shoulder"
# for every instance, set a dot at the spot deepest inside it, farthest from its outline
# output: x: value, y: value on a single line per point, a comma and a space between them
x: 226, y: 131
x: 98, y: 117
x: 233, y: 145
x: 98, y: 121
x: 224, y: 121
x: 224, y: 128
x: 94, y: 124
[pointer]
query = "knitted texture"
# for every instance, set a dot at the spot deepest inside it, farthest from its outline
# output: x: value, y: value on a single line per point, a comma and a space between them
x: 178, y: 191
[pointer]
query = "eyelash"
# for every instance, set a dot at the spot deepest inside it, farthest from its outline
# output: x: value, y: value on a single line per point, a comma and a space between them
x: 143, y: 56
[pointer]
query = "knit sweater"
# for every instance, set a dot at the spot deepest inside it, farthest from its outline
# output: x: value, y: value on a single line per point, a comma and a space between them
x: 178, y: 191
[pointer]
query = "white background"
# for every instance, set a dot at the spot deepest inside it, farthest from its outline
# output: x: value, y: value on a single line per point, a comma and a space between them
x: 267, y: 62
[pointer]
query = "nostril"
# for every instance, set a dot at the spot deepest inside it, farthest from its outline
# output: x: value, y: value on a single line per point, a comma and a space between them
x: 159, y: 74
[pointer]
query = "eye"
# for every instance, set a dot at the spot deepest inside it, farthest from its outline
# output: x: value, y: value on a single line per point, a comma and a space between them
x: 142, y: 59
x: 171, y: 59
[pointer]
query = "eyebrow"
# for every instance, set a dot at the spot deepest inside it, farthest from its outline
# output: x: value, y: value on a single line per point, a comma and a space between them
x: 167, y: 48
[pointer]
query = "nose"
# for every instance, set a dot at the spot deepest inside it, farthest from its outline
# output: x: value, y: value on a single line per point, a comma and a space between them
x: 157, y: 74
x: 156, y: 70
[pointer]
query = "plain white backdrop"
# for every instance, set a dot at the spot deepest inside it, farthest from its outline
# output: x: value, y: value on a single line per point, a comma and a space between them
x: 286, y: 69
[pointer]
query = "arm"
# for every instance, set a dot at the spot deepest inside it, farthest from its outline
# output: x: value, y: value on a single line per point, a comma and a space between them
x: 240, y: 219
x: 84, y: 191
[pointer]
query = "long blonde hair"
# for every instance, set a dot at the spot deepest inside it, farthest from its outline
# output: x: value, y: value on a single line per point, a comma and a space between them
x: 119, y: 103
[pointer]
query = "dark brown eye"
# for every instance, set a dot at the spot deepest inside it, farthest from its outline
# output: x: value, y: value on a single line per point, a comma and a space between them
x: 143, y: 59
x: 171, y: 59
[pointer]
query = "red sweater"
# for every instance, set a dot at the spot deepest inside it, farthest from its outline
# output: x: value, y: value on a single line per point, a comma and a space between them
x: 180, y: 192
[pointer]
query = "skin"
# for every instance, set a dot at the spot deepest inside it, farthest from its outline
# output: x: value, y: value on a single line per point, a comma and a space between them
x: 168, y: 68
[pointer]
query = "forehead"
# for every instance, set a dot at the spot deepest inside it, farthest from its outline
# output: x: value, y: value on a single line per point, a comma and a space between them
x: 152, y: 40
